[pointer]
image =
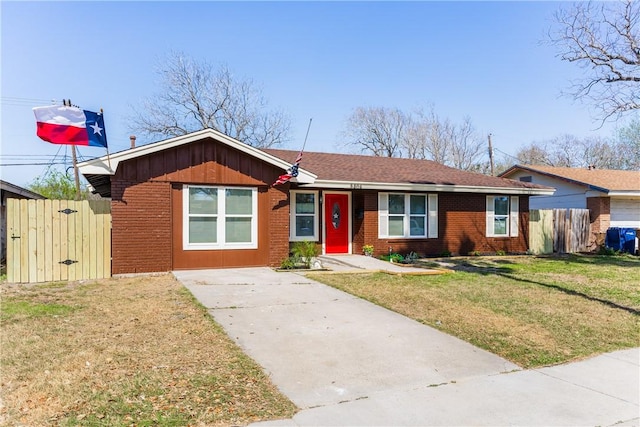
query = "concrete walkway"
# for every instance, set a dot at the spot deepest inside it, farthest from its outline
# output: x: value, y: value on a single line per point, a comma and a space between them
x: 344, y: 361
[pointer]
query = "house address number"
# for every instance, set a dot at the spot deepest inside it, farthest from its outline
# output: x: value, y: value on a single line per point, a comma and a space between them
x: 356, y: 186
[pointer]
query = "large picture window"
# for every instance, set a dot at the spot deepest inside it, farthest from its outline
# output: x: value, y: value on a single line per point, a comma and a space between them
x: 220, y: 217
x: 502, y: 216
x: 407, y: 215
x: 303, y: 215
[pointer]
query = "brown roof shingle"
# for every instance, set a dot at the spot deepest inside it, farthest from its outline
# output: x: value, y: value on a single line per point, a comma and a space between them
x: 607, y: 179
x: 359, y: 168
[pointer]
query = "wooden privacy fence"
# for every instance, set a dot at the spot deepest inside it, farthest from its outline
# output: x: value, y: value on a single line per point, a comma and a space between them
x: 50, y: 240
x: 559, y: 230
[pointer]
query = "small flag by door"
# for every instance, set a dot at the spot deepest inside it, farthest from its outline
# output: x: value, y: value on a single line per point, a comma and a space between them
x: 292, y: 172
x: 70, y: 125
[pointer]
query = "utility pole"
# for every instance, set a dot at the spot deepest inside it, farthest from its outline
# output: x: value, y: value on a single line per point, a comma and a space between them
x: 74, y: 159
x: 491, y: 156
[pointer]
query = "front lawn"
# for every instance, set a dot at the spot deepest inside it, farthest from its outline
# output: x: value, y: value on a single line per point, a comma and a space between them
x: 531, y: 311
x: 138, y: 351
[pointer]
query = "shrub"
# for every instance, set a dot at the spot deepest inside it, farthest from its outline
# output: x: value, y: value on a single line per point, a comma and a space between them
x: 603, y: 250
x: 368, y: 250
x: 305, y: 251
x: 288, y: 263
x: 500, y: 252
x: 411, y: 257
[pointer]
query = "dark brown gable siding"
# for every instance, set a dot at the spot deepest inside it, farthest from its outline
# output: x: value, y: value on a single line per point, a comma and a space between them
x: 147, y: 208
x: 204, y: 161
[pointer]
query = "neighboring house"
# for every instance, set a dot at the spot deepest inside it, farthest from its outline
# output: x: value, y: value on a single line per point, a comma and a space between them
x: 10, y: 191
x: 612, y: 196
x: 205, y: 200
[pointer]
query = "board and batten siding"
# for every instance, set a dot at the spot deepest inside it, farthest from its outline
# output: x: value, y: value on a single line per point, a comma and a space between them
x: 51, y: 240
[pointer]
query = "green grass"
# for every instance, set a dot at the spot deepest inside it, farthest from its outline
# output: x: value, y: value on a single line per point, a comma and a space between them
x: 532, y: 311
x: 12, y: 310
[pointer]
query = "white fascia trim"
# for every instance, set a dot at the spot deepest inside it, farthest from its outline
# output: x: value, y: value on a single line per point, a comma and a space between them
x: 107, y: 165
x: 384, y: 186
x: 622, y: 193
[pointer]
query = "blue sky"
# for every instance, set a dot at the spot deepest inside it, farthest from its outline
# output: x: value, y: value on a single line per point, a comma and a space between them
x: 484, y: 60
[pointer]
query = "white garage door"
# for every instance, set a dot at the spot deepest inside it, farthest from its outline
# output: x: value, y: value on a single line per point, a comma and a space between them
x: 625, y: 213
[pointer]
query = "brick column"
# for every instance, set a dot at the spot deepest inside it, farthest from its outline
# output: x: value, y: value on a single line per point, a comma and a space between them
x: 600, y: 218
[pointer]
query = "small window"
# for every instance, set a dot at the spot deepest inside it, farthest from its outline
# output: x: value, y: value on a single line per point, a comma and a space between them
x: 502, y: 216
x: 220, y: 218
x: 303, y: 215
x: 526, y: 178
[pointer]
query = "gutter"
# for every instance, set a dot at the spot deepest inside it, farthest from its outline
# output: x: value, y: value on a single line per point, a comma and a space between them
x: 439, y: 188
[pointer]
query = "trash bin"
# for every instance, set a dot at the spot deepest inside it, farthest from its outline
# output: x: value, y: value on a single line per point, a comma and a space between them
x: 629, y: 236
x: 613, y: 239
x: 621, y: 239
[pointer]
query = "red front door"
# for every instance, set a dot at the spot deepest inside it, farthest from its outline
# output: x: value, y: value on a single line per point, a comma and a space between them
x: 336, y: 225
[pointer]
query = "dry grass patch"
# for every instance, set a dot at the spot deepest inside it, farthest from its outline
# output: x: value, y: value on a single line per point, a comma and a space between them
x: 137, y: 351
x: 528, y: 310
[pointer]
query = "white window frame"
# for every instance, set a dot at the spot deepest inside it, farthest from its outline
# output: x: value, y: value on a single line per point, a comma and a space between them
x: 430, y: 216
x: 292, y: 217
x: 221, y: 244
x: 511, y: 218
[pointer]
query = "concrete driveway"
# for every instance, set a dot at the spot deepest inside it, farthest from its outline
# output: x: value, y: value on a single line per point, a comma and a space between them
x: 344, y: 361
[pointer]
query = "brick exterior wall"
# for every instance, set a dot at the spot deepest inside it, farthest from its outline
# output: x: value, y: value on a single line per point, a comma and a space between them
x: 278, y: 224
x: 461, y: 229
x: 141, y: 226
x: 600, y: 218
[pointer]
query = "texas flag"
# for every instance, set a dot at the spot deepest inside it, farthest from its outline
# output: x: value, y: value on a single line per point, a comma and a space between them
x: 70, y: 125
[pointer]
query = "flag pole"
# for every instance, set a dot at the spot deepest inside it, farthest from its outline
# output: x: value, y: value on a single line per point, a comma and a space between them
x: 74, y: 159
x: 107, y: 147
x: 307, y: 135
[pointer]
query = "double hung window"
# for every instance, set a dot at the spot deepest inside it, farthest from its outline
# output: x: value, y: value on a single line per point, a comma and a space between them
x: 407, y: 215
x: 303, y: 215
x: 502, y: 216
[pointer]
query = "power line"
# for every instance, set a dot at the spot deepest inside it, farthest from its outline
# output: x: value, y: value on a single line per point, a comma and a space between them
x: 506, y: 154
x: 25, y: 102
x: 33, y: 164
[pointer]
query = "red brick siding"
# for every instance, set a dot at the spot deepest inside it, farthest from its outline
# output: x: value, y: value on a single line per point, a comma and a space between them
x: 358, y: 226
x: 141, y: 226
x: 461, y: 228
x: 600, y: 213
x: 600, y: 218
x: 278, y: 224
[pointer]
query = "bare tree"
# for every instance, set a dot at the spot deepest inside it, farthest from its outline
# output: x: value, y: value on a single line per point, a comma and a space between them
x: 431, y: 137
x: 194, y: 96
x: 604, y: 39
x: 570, y: 151
x: 377, y: 130
x: 628, y: 144
x: 467, y: 148
x: 393, y: 133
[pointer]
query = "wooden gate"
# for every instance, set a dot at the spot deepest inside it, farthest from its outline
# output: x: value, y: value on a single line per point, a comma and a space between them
x: 51, y: 240
x: 541, y: 231
x: 559, y: 230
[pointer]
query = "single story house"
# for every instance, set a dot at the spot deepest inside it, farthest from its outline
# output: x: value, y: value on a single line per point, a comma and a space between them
x: 205, y: 200
x: 10, y: 191
x: 612, y: 196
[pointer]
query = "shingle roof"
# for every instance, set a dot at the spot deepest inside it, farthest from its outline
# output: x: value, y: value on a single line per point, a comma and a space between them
x: 606, y: 179
x: 359, y: 168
